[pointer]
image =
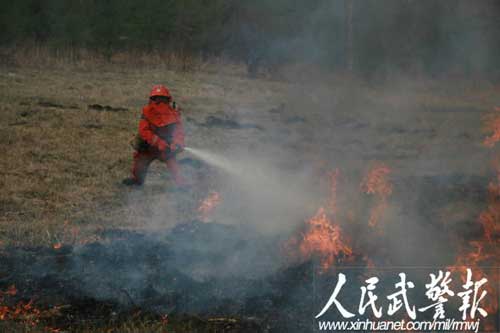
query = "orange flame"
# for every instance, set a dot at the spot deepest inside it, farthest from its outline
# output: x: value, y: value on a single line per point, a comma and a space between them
x: 485, y: 249
x: 11, y: 291
x: 208, y: 206
x: 376, y: 183
x: 490, y: 217
x: 25, y: 312
x: 489, y: 220
x: 492, y: 125
x: 72, y: 235
x: 472, y: 259
x: 324, y: 239
x: 21, y: 311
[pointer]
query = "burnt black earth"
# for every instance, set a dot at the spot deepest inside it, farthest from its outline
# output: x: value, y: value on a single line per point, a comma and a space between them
x: 211, y: 270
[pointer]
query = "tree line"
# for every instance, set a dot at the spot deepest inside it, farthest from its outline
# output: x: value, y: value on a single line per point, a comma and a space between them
x: 369, y: 36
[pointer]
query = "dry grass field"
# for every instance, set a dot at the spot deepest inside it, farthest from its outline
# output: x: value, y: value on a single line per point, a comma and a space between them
x: 65, y: 131
x: 64, y: 160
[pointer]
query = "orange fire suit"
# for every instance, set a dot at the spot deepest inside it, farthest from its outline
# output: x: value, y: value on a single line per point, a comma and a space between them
x: 162, y: 133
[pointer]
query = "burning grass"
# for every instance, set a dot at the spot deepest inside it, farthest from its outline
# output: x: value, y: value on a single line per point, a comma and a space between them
x: 323, y: 238
x: 492, y: 125
x: 482, y: 253
x: 61, y: 197
x: 376, y: 183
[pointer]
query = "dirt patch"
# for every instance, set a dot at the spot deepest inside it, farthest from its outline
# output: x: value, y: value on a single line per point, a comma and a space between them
x: 109, y: 108
x: 49, y: 104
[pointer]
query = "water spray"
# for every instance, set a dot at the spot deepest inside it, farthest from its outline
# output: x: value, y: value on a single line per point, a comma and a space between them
x: 258, y: 192
x: 214, y: 160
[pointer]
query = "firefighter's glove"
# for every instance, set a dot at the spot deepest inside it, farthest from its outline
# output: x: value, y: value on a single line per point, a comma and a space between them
x: 138, y: 143
x: 175, y: 148
x: 162, y: 146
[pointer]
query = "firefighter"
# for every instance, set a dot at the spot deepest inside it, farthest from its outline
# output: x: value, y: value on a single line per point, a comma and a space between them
x: 161, y: 136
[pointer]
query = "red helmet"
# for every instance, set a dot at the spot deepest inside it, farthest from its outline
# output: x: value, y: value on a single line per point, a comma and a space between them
x: 159, y: 90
